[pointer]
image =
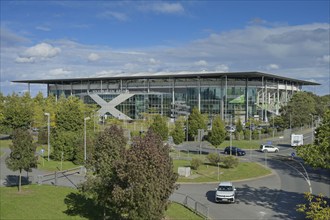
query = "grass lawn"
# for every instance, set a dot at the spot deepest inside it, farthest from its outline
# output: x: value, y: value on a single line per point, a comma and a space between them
x: 47, y: 202
x: 209, y: 173
x: 52, y: 165
x: 5, y: 143
x: 178, y: 211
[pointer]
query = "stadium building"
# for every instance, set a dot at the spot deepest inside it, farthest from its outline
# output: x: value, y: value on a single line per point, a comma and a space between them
x: 231, y: 94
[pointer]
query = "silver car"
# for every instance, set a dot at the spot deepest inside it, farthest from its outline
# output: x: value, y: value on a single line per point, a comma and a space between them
x: 225, y: 192
x: 268, y: 148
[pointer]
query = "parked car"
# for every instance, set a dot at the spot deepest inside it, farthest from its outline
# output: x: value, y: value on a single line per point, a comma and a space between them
x: 234, y: 151
x: 231, y: 128
x: 268, y: 148
x: 225, y: 192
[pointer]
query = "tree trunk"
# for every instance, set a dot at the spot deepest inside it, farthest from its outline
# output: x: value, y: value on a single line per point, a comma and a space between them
x: 20, y: 180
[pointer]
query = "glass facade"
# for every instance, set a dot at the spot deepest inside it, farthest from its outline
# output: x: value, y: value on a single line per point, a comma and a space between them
x: 226, y: 96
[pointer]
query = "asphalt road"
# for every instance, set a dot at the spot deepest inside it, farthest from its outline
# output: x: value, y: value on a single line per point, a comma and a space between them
x: 271, y: 197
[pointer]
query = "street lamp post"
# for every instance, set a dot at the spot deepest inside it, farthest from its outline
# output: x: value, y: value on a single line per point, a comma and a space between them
x: 312, y: 128
x: 230, y: 131
x: 48, y: 131
x: 85, y: 153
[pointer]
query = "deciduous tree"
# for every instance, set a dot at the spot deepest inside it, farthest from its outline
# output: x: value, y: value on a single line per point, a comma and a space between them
x: 159, y: 126
x: 315, y: 208
x: 178, y: 133
x: 195, y: 121
x: 109, y: 150
x: 18, y: 111
x: 145, y: 179
x: 22, y: 156
x: 318, y: 153
x: 218, y: 133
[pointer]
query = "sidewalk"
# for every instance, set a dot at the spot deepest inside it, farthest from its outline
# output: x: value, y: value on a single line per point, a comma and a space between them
x: 37, y: 176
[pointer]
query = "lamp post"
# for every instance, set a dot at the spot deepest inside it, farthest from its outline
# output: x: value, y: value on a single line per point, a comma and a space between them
x: 230, y: 131
x: 312, y: 128
x: 85, y: 119
x: 48, y: 131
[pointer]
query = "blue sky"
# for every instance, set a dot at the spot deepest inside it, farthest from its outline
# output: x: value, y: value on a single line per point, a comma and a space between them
x: 64, y: 39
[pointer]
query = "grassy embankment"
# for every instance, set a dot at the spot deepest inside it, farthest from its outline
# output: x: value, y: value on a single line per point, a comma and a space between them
x: 49, y: 202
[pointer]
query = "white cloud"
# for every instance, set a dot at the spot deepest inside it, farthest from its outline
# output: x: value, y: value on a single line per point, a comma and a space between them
x: 93, y: 57
x: 200, y: 63
x: 114, y: 15
x: 59, y: 72
x: 40, y: 51
x: 43, y: 28
x: 326, y: 59
x: 163, y: 7
x: 272, y: 67
x: 25, y: 60
x: 222, y: 68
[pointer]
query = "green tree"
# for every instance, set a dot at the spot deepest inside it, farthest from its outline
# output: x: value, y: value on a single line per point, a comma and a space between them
x: 18, y: 112
x: 38, y: 111
x: 178, y: 133
x: 239, y: 126
x: 318, y: 153
x: 109, y: 150
x: 145, y: 179
x: 196, y: 121
x: 316, y: 207
x: 67, y: 135
x: 159, y: 126
x: 22, y: 156
x: 70, y: 114
x: 218, y: 133
x: 299, y: 109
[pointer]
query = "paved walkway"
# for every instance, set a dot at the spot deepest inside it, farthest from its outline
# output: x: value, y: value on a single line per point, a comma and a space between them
x: 10, y: 178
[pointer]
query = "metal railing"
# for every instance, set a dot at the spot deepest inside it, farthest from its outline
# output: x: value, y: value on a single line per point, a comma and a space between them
x: 54, y: 177
x: 190, y: 203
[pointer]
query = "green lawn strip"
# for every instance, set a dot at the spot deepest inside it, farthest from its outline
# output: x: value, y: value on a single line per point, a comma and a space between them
x: 47, y: 202
x: 178, y: 211
x: 5, y: 143
x: 209, y: 173
x: 52, y: 165
x: 35, y: 202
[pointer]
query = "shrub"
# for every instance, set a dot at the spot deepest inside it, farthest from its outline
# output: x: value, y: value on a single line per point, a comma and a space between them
x: 255, y: 135
x: 230, y: 161
x: 214, y: 158
x: 195, y: 163
x: 43, y: 136
x: 246, y: 134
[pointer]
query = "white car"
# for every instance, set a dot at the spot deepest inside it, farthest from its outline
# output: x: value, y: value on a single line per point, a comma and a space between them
x: 225, y: 192
x: 268, y: 148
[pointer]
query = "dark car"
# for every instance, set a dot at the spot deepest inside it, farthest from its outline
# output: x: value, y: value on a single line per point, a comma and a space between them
x: 234, y: 151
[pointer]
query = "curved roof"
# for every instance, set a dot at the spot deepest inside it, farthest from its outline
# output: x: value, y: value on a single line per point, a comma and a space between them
x: 166, y: 75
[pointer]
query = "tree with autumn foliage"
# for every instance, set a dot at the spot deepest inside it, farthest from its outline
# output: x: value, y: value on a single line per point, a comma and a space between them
x: 130, y: 183
x: 145, y: 179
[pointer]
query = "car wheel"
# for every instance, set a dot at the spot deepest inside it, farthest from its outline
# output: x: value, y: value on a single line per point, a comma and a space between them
x: 276, y: 151
x: 265, y: 151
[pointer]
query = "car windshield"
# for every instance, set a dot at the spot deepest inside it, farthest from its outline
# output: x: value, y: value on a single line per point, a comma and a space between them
x: 225, y: 188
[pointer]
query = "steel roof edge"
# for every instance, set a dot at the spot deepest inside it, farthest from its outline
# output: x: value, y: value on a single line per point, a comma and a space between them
x: 164, y: 75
